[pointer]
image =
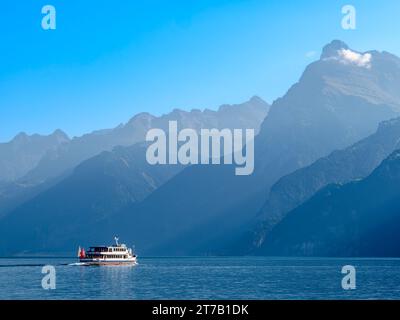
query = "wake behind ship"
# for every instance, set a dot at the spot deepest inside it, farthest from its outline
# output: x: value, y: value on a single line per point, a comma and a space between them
x: 117, y: 254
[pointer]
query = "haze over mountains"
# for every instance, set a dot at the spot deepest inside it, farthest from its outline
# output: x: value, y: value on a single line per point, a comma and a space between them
x: 323, y: 112
x: 360, y: 218
x: 337, y: 104
x: 103, y: 184
x: 24, y: 152
x: 342, y: 166
x: 64, y: 158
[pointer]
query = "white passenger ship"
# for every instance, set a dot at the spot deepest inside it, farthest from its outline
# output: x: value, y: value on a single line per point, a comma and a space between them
x: 117, y: 254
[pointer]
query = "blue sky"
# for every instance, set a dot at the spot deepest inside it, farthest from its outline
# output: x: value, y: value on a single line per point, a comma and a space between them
x: 110, y: 59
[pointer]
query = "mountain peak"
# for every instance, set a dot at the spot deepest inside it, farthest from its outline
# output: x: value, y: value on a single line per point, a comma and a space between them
x: 58, y: 133
x: 22, y: 136
x: 141, y: 117
x: 388, y: 124
x: 331, y: 49
x: 256, y: 99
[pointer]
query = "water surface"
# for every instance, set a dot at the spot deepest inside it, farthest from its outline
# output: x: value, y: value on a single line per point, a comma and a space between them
x: 202, y: 278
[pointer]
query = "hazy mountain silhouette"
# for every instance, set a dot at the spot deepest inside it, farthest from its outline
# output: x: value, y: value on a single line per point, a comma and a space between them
x: 336, y: 102
x: 96, y: 189
x: 63, y: 159
x: 100, y: 186
x: 354, y: 162
x: 356, y: 219
x: 59, y: 162
x: 24, y: 152
x: 339, y: 100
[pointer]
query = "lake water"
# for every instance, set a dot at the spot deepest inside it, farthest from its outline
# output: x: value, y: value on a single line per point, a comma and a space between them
x: 202, y: 278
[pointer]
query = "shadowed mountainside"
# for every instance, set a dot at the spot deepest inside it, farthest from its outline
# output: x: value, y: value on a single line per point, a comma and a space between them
x: 356, y: 219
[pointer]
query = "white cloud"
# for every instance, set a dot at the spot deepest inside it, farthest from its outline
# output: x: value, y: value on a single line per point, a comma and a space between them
x: 348, y: 56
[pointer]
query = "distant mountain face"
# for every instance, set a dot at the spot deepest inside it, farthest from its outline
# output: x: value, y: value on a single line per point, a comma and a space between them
x: 56, y: 162
x: 356, y: 219
x: 347, y: 91
x: 104, y: 184
x: 354, y: 162
x: 24, y: 152
x: 12, y: 194
x: 52, y: 164
x: 338, y: 101
x: 96, y: 189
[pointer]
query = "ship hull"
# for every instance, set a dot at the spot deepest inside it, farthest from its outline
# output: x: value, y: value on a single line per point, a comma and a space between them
x: 98, y: 262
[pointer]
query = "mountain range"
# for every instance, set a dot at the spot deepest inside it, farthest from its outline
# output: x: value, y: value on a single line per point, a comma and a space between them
x: 103, y: 184
x: 341, y: 166
x: 360, y: 218
x: 204, y: 209
x: 322, y: 131
x: 58, y: 161
x: 24, y: 152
